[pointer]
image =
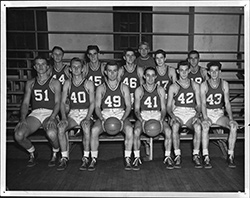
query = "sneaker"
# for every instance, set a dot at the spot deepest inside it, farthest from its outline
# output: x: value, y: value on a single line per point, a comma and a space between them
x: 207, y: 162
x: 128, y: 163
x: 177, y: 161
x: 197, y: 162
x: 230, y: 161
x: 136, y: 163
x: 32, y: 160
x: 85, y: 162
x: 92, y: 164
x: 63, y: 164
x: 52, y: 162
x: 169, y: 162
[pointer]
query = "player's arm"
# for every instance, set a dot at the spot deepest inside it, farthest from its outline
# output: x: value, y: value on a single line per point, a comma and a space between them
x: 90, y: 87
x: 65, y: 92
x: 204, y: 73
x: 197, y: 98
x: 203, y: 91
x: 98, y: 99
x: 162, y: 94
x: 138, y: 96
x: 127, y: 99
x: 226, y: 99
x: 120, y: 73
x: 171, y: 93
x: 172, y: 74
x: 140, y: 74
x: 56, y: 85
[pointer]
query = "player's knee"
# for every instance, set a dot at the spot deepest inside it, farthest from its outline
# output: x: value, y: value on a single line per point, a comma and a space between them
x: 95, y: 132
x: 205, y: 126
x: 197, y: 128
x: 19, y: 136
x: 137, y: 132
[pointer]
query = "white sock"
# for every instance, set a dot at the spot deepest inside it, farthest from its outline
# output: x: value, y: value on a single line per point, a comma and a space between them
x: 94, y: 154
x: 137, y: 153
x: 177, y: 152
x: 127, y: 153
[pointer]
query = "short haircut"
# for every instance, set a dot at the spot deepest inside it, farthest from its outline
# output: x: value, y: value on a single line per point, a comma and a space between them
x: 58, y: 48
x: 150, y: 68
x: 193, y: 52
x: 183, y: 62
x: 160, y: 51
x: 144, y: 43
x: 112, y: 62
x: 40, y: 57
x: 129, y: 49
x: 92, y: 47
x: 76, y: 59
x: 214, y: 63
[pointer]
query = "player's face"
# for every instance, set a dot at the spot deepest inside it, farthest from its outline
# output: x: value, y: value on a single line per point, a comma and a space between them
x: 150, y: 77
x: 76, y: 68
x: 193, y: 59
x: 112, y: 72
x: 144, y: 50
x: 93, y: 56
x: 57, y: 55
x: 160, y: 59
x: 214, y: 72
x: 41, y: 66
x: 183, y: 71
x: 129, y: 57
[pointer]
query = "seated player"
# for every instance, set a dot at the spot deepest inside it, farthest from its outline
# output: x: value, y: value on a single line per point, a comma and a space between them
x: 45, y: 95
x: 214, y: 101
x: 80, y: 92
x: 150, y: 104
x: 183, y: 107
x: 112, y: 100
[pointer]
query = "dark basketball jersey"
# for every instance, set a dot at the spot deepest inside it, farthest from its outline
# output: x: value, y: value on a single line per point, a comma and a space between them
x: 150, y: 99
x: 95, y: 75
x: 197, y: 77
x: 42, y: 96
x: 215, y: 96
x: 150, y: 62
x: 79, y: 96
x: 185, y: 97
x: 163, y: 79
x: 113, y: 98
x: 61, y: 75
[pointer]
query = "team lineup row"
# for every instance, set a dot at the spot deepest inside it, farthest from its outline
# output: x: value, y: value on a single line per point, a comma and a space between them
x: 63, y: 97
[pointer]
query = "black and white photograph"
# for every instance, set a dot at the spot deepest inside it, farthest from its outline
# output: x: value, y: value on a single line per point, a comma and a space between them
x: 125, y: 99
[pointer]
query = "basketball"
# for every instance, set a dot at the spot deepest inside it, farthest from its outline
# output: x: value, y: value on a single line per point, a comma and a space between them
x: 152, y: 127
x: 112, y: 125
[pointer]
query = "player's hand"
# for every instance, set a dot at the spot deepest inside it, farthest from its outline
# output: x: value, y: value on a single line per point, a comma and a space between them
x: 86, y: 122
x: 194, y: 119
x: 51, y: 123
x: 161, y: 122
x: 63, y: 124
x: 207, y: 123
x: 102, y: 122
x: 174, y: 120
x: 143, y: 124
x: 233, y: 123
x: 122, y: 123
x: 21, y: 124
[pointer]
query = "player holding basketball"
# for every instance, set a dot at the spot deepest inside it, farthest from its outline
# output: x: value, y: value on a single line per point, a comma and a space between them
x: 45, y: 94
x: 80, y: 92
x: 184, y: 108
x: 197, y: 73
x: 112, y: 100
x: 214, y: 99
x: 150, y: 104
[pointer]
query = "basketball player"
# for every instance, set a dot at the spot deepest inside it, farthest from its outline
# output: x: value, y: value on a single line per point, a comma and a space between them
x: 112, y: 100
x: 150, y: 103
x: 45, y: 94
x: 214, y: 99
x: 144, y: 60
x: 166, y: 75
x: 183, y: 106
x: 197, y: 73
x: 80, y: 92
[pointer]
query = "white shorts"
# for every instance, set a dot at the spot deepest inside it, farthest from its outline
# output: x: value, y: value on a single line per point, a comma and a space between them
x: 184, y: 113
x: 41, y: 114
x: 147, y: 115
x: 118, y: 113
x: 215, y: 114
x: 78, y: 115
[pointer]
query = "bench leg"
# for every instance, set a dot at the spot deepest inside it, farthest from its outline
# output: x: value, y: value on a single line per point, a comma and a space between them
x: 151, y: 149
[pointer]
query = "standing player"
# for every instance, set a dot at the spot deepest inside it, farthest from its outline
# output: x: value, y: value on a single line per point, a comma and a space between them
x: 112, y: 100
x: 150, y: 103
x: 80, y: 92
x: 197, y: 73
x: 45, y: 94
x: 166, y: 75
x: 214, y: 98
x: 144, y: 60
x: 184, y: 108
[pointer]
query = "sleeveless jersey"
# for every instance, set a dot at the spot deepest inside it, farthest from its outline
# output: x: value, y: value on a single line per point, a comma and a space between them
x: 185, y: 96
x: 61, y: 75
x: 150, y: 62
x: 163, y: 79
x: 79, y: 96
x: 42, y: 96
x: 215, y: 96
x: 150, y: 99
x: 113, y: 98
x: 197, y: 77
x: 95, y: 75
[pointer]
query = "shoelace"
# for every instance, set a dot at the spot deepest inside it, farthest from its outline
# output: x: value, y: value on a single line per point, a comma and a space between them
x: 137, y: 160
x: 93, y: 162
x: 85, y: 159
x: 206, y: 159
x: 166, y: 159
x: 128, y: 160
x: 176, y: 158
